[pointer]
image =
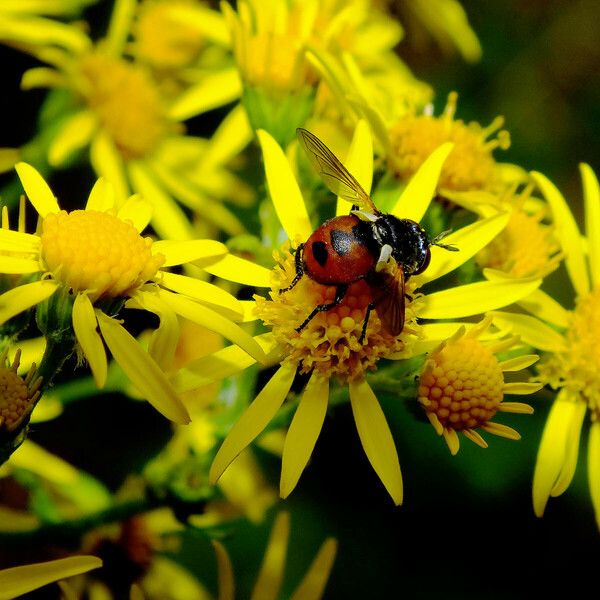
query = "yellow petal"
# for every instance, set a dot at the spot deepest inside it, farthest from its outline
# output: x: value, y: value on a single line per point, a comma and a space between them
x: 417, y: 195
x: 23, y: 297
x: 17, y: 241
x: 170, y: 221
x: 15, y: 265
x: 119, y: 26
x: 224, y: 571
x: 143, y: 372
x: 214, y: 90
x: 376, y: 438
x: 469, y: 240
x: 254, y: 420
x: 546, y: 308
x: 102, y: 196
x: 202, y: 315
x: 594, y: 468
x: 359, y: 162
x: 452, y: 441
x: 591, y: 195
x: 207, y: 22
x: 532, y: 331
x: 230, y: 138
x: 475, y: 298
x: 37, y: 190
x: 303, y: 432
x: 73, y: 135
x: 42, y: 77
x: 518, y: 363
x: 240, y: 270
x: 204, y: 292
x: 137, y: 211
x: 20, y: 580
x: 108, y: 163
x: 567, y: 232
x: 553, y: 450
x: 85, y: 325
x: 185, y: 251
x: 284, y: 190
x: 522, y: 387
x: 268, y: 582
x: 312, y: 586
x: 221, y: 364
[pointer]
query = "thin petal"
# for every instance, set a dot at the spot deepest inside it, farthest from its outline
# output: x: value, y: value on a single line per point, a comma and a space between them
x: 202, y: 315
x: 546, y: 308
x: 567, y: 232
x: 143, y: 372
x: 553, y: 450
x: 359, y: 161
x: 240, y: 270
x: 254, y: 420
x: 594, y: 468
x: 284, y: 190
x: 303, y: 432
x: 119, y: 27
x: 224, y: 571
x: 185, y: 251
x: 138, y: 211
x: 212, y: 91
x: 519, y: 408
x: 204, y: 292
x: 15, y: 265
x: 23, y: 297
x: 230, y: 138
x: 74, y: 134
x: 452, y: 441
x: 532, y: 331
x: 501, y: 430
x: 469, y: 240
x: 20, y: 580
x: 37, y: 190
x: 417, y: 195
x: 312, y: 586
x: 85, y: 327
x: 518, y: 363
x: 475, y: 437
x: 475, y: 298
x: 269, y: 578
x: 108, y: 163
x: 102, y: 196
x: 591, y: 195
x: 376, y: 438
x: 522, y: 388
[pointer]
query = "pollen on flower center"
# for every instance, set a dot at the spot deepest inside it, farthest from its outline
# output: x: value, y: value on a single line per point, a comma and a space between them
x: 576, y: 367
x: 127, y: 103
x: 470, y: 165
x: 97, y: 252
x: 462, y: 385
x: 329, y: 344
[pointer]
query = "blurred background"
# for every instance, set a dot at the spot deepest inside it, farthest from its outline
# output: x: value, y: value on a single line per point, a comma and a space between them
x: 467, y: 528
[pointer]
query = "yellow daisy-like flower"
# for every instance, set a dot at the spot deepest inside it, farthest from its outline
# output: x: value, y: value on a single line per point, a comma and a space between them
x: 98, y: 260
x: 462, y: 386
x: 270, y: 577
x: 21, y: 580
x: 571, y: 359
x: 125, y: 119
x: 330, y: 346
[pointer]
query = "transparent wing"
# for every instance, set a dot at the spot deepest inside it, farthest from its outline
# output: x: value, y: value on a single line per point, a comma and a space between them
x: 389, y: 302
x: 334, y: 174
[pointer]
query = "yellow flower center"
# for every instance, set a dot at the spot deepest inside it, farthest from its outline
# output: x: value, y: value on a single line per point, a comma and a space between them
x: 127, y: 103
x: 470, y: 165
x: 462, y: 384
x: 162, y: 39
x: 526, y: 247
x: 17, y: 395
x: 329, y: 344
x: 576, y: 367
x: 97, y: 252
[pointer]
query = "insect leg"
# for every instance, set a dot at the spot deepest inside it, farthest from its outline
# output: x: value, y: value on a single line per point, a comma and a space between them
x: 340, y: 292
x: 370, y: 307
x: 299, y: 269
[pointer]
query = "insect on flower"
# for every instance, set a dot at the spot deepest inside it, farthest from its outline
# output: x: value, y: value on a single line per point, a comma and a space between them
x: 379, y: 248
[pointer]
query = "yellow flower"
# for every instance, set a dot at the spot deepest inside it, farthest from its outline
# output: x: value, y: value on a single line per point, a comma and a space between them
x: 462, y: 386
x: 123, y: 116
x: 98, y: 260
x: 571, y: 359
x: 20, y: 580
x: 331, y: 348
x: 270, y: 577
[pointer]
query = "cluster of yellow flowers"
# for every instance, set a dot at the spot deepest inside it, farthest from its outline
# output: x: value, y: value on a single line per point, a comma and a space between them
x: 120, y: 103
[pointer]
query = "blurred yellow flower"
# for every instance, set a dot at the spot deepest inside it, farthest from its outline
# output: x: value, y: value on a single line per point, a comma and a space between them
x: 98, y: 256
x: 329, y: 346
x: 462, y: 386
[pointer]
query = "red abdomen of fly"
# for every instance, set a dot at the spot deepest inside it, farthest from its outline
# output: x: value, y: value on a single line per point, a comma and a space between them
x: 338, y: 252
